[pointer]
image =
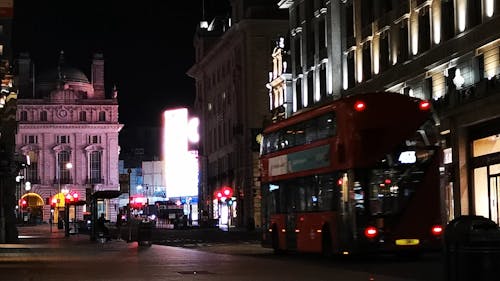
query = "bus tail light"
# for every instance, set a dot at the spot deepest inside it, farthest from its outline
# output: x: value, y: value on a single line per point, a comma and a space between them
x: 359, y: 106
x: 371, y: 232
x: 424, y: 105
x: 437, y: 230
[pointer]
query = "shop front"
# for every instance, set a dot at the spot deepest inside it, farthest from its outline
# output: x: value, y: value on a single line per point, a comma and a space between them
x: 485, y: 175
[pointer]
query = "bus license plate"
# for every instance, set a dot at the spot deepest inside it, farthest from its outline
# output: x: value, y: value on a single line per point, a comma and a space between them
x: 407, y: 242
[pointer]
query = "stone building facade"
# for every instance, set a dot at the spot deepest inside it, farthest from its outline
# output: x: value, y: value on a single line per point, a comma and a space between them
x: 69, y: 129
x: 230, y: 68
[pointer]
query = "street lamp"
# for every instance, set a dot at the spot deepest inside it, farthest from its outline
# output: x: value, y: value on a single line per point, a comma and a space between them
x: 19, y: 179
x: 71, y: 198
x: 65, y: 191
x: 68, y: 166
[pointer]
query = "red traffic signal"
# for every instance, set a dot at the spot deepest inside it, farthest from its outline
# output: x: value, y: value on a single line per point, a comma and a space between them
x: 219, y: 194
x: 137, y: 202
x: 227, y: 191
x: 224, y: 192
x: 24, y: 203
x: 71, y: 197
x: 53, y: 203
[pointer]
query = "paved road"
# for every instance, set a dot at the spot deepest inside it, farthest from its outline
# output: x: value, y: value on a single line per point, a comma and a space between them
x: 45, y: 256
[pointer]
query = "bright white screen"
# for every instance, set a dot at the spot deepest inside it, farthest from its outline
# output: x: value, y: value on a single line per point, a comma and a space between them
x: 181, y: 165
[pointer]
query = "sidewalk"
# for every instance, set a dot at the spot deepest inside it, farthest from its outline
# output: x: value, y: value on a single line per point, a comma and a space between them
x: 43, y: 231
x: 43, y: 235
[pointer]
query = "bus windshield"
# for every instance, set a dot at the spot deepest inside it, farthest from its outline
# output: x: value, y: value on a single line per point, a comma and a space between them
x: 386, y: 188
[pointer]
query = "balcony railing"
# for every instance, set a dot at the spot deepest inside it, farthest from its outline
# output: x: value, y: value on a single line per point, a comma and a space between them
x: 34, y: 180
x: 63, y: 181
x: 477, y: 91
x: 94, y: 181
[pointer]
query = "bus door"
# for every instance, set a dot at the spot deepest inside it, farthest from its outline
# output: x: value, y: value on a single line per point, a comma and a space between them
x: 291, y: 235
x: 347, y: 218
x: 493, y: 193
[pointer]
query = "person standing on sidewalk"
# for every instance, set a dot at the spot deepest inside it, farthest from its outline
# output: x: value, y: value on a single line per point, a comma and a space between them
x: 101, y: 226
x: 119, y: 222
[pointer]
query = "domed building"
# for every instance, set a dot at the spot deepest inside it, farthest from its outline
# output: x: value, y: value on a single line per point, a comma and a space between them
x: 68, y: 128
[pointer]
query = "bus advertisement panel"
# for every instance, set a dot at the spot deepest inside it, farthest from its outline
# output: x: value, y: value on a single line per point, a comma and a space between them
x: 358, y: 174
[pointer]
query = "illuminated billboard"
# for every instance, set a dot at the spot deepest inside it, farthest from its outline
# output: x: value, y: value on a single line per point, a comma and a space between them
x: 181, y: 165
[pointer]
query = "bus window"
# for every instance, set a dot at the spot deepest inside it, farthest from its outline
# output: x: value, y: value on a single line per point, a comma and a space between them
x: 311, y: 129
x: 303, y: 200
x: 288, y: 138
x: 272, y: 198
x: 359, y: 198
x: 326, y: 193
x: 327, y: 126
x: 300, y: 135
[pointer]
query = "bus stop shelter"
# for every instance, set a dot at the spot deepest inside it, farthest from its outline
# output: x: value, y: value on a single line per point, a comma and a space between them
x: 99, y: 195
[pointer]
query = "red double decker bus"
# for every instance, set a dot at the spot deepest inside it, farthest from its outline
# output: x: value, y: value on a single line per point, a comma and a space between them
x: 359, y: 174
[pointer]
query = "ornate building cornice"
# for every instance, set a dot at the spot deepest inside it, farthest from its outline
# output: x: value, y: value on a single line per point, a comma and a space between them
x: 72, y: 126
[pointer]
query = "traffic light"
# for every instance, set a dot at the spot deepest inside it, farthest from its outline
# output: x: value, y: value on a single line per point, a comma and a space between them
x: 53, y: 203
x: 24, y: 204
x: 137, y: 202
x: 71, y: 197
x: 224, y: 192
x: 218, y: 194
x: 227, y: 191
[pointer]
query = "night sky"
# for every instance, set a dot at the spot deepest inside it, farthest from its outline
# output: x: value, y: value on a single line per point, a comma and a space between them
x: 147, y: 46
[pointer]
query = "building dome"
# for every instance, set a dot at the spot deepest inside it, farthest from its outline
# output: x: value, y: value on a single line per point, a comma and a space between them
x: 63, y: 73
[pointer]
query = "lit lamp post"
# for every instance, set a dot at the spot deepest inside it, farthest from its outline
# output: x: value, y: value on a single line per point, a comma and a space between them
x: 65, y: 191
x: 71, y: 198
x: 19, y: 179
x: 68, y: 166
